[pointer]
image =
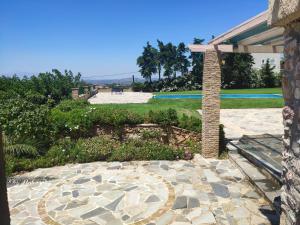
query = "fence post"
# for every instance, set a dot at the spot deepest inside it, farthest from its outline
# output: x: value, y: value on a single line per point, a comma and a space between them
x: 4, y: 209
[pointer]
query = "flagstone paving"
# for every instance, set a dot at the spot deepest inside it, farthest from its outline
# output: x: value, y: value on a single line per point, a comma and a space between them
x: 156, y: 192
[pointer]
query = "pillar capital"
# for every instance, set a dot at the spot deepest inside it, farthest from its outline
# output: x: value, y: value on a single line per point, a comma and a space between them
x: 283, y: 12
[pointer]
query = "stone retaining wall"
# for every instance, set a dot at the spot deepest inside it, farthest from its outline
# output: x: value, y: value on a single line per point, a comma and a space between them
x: 173, y: 136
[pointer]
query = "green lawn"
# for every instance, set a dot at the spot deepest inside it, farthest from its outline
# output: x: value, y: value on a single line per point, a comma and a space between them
x: 189, y: 106
x: 231, y: 91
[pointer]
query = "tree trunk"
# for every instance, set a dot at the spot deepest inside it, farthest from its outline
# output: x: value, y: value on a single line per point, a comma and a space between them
x: 159, y: 71
x: 4, y: 209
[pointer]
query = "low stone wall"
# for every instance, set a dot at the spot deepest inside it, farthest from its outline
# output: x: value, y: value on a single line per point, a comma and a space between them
x: 173, y: 136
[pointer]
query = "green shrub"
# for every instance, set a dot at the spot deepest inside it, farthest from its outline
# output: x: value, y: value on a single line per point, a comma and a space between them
x: 150, y: 134
x: 62, y: 152
x: 145, y: 150
x: 137, y: 87
x: 36, y: 98
x: 75, y: 123
x: 115, y: 117
x: 13, y: 165
x: 164, y: 117
x: 190, y: 123
x: 21, y: 150
x: 69, y: 105
x: 25, y: 122
x: 94, y: 149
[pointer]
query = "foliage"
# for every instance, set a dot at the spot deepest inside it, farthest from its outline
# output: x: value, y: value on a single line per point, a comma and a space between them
x: 190, y: 123
x: 21, y: 150
x: 164, y: 117
x: 151, y: 134
x: 267, y: 75
x: 25, y: 122
x: 138, y: 87
x: 95, y: 149
x: 69, y: 105
x: 62, y: 152
x: 77, y: 118
x: 55, y: 85
x: 145, y: 150
x: 148, y: 62
x: 197, y: 64
x: 74, y: 123
x: 237, y: 70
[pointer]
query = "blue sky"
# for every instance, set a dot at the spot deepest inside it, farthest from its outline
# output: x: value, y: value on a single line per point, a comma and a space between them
x: 103, y: 37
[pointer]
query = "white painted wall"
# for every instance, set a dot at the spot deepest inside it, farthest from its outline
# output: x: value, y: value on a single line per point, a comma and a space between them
x: 261, y: 58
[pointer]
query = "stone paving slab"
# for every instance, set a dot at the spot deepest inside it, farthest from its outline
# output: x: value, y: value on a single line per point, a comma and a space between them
x: 156, y: 192
x: 239, y: 122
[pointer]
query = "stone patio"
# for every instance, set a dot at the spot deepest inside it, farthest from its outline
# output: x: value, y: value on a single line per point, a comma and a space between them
x: 157, y: 192
x: 239, y: 122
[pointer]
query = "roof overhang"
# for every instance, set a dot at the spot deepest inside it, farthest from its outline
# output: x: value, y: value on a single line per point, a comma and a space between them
x: 252, y: 36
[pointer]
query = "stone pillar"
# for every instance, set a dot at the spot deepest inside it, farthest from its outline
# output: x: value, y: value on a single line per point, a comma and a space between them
x: 75, y: 93
x: 211, y: 104
x: 286, y: 13
x: 290, y: 197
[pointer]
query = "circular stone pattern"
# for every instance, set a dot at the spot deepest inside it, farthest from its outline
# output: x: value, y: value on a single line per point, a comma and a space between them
x: 112, y: 195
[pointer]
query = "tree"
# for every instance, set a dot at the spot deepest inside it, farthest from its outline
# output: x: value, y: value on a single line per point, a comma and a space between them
x: 160, y: 57
x: 148, y: 62
x: 170, y: 52
x: 237, y: 70
x: 267, y: 75
x: 4, y: 210
x: 182, y: 63
x: 197, y: 63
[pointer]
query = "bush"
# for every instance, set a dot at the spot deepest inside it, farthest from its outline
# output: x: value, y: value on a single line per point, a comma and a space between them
x: 190, y: 123
x: 151, y: 134
x: 69, y: 105
x: 115, y: 117
x: 76, y: 118
x: 145, y: 150
x: 25, y: 122
x: 164, y: 117
x: 75, y: 123
x: 137, y: 87
x: 62, y: 152
x: 94, y: 149
x: 21, y: 150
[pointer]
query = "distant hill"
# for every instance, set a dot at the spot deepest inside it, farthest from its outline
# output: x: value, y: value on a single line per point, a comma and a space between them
x: 122, y: 81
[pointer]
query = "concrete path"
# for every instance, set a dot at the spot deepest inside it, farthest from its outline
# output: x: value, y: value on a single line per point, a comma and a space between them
x: 239, y: 122
x: 157, y: 192
x: 120, y: 98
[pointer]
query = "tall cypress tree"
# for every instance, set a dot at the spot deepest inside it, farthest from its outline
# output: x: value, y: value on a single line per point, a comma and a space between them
x: 237, y: 70
x: 197, y: 63
x: 148, y: 62
x: 268, y: 75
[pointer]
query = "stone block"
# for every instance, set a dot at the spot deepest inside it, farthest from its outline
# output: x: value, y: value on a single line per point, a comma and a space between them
x: 211, y: 104
x: 283, y: 12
